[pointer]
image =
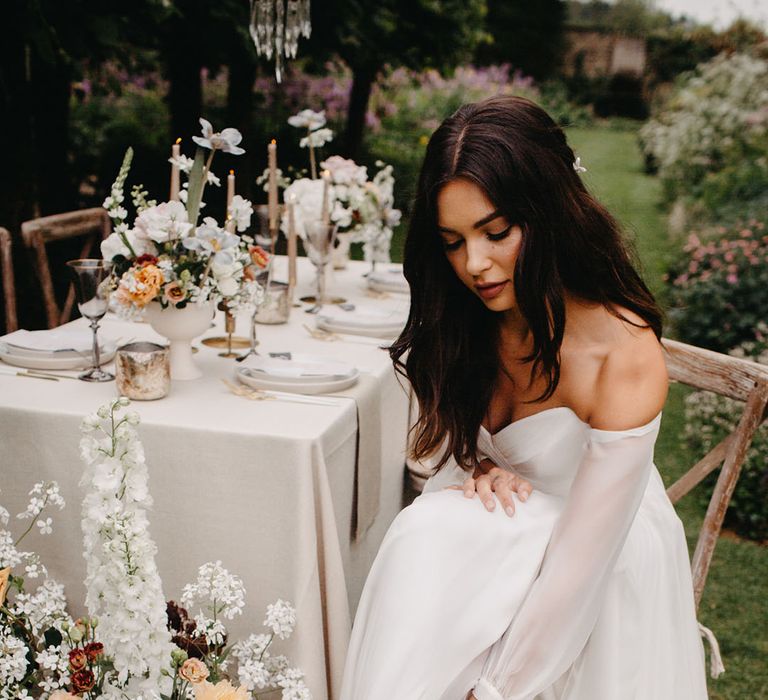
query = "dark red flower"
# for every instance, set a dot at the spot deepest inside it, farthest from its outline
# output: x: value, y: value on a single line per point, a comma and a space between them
x: 94, y: 650
x: 146, y: 259
x: 82, y: 680
x: 77, y: 659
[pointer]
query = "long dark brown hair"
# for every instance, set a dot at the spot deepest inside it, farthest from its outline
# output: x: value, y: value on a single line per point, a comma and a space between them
x: 512, y: 150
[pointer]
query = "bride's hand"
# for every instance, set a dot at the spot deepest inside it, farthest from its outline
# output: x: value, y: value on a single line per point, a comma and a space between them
x: 488, y: 479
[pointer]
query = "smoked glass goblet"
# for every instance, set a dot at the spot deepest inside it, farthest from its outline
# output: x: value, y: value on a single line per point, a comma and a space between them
x: 93, y: 283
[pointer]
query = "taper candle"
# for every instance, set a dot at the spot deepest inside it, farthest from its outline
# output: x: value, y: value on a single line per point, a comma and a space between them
x: 272, y: 197
x: 292, y: 245
x: 230, y: 225
x: 175, y: 177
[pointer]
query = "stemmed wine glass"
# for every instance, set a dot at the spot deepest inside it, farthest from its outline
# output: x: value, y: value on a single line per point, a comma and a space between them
x: 93, y: 283
x: 319, y: 242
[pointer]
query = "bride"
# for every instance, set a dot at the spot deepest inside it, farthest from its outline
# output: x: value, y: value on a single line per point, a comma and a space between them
x: 544, y: 559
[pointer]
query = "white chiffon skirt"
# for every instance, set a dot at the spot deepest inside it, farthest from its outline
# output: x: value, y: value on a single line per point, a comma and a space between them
x: 450, y: 576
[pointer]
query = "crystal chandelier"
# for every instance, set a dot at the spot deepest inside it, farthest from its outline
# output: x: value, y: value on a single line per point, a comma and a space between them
x: 276, y: 26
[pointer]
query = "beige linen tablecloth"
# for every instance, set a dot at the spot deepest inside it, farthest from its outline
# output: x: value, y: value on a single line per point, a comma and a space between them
x: 267, y: 487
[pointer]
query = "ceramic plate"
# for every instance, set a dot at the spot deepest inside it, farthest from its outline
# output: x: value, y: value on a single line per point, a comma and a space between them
x: 250, y: 378
x: 301, y: 368
x: 34, y: 359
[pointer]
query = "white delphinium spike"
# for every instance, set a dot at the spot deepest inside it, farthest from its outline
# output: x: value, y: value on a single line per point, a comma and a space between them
x: 123, y: 585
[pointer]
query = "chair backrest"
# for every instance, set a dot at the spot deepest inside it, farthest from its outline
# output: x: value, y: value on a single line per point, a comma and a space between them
x: 737, y: 379
x: 92, y: 225
x: 9, y: 288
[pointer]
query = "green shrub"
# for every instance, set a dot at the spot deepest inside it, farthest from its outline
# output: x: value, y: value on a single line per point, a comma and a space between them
x: 708, y: 419
x: 719, y: 289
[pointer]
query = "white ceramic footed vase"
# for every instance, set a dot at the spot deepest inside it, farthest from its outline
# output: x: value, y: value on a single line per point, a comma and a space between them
x: 180, y: 327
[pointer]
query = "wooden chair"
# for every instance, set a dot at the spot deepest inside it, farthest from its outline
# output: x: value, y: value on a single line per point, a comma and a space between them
x: 92, y: 225
x: 9, y: 288
x: 737, y: 379
x: 724, y: 375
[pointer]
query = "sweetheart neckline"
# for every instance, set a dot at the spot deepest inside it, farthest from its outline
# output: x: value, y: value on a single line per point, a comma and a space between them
x: 532, y: 415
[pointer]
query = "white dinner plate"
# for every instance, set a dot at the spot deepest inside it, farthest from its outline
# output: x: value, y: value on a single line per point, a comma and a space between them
x: 372, y: 332
x: 33, y: 359
x: 250, y: 378
x: 301, y: 368
x: 389, y: 280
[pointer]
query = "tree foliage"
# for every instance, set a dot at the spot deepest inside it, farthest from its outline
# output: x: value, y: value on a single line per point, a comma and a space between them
x: 529, y: 35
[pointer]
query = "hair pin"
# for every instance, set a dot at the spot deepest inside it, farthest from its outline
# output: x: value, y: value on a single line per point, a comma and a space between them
x: 577, y: 166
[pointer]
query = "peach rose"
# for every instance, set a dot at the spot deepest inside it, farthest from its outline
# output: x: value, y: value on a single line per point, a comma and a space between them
x: 223, y: 690
x: 259, y: 256
x: 147, y: 283
x: 173, y: 293
x: 194, y: 671
x: 62, y: 695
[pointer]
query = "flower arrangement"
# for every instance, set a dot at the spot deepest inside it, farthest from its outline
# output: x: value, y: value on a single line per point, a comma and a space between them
x: 165, y: 256
x: 359, y: 206
x: 132, y: 645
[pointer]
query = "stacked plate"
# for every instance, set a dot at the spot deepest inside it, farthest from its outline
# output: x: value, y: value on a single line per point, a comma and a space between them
x: 297, y: 372
x: 363, y: 320
x: 58, y: 348
x: 389, y: 279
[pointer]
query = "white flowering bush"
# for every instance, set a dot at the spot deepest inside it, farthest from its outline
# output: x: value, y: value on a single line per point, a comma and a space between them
x: 166, y: 257
x: 708, y: 419
x: 715, y: 121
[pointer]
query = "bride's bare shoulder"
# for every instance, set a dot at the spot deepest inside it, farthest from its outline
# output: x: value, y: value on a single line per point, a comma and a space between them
x: 623, y: 374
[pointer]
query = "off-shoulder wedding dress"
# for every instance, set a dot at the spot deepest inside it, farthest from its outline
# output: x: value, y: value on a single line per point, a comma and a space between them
x: 585, y: 594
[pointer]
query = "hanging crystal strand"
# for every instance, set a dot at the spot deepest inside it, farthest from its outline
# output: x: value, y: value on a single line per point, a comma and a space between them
x: 304, y: 18
x: 254, y: 28
x: 279, y: 38
x: 292, y: 28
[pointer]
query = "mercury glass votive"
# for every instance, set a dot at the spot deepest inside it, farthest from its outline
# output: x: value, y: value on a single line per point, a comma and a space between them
x: 275, y: 307
x: 143, y: 371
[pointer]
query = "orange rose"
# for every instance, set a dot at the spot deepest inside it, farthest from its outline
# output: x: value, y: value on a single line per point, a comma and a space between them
x: 173, y: 293
x: 194, y: 671
x: 147, y: 283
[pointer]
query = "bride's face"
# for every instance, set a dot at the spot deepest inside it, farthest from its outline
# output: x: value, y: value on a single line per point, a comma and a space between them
x: 480, y: 244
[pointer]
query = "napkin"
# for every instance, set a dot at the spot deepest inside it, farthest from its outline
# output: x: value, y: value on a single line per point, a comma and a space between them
x: 54, y: 340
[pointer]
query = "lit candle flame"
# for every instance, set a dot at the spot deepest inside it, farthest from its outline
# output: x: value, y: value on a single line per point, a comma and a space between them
x: 178, y: 140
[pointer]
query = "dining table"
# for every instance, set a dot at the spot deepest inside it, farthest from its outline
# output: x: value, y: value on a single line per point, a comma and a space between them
x: 293, y: 497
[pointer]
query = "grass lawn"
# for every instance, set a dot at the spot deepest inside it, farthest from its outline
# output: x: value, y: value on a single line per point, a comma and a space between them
x: 734, y: 602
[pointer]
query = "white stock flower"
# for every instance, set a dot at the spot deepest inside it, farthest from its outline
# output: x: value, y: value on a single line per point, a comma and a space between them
x: 308, y: 119
x: 216, y: 590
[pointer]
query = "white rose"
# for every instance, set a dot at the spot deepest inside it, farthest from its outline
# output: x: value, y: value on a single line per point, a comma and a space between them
x: 162, y: 223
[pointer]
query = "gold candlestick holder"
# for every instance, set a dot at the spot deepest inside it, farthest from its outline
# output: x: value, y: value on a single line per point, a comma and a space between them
x: 228, y: 341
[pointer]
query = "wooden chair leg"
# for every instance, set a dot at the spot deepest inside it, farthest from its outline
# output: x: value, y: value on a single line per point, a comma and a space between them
x: 726, y: 482
x: 46, y: 283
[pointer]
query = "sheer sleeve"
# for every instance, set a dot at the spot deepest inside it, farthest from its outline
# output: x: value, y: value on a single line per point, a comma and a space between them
x: 554, y: 622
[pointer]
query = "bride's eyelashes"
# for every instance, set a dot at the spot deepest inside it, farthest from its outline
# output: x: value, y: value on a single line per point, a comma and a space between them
x: 495, y: 237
